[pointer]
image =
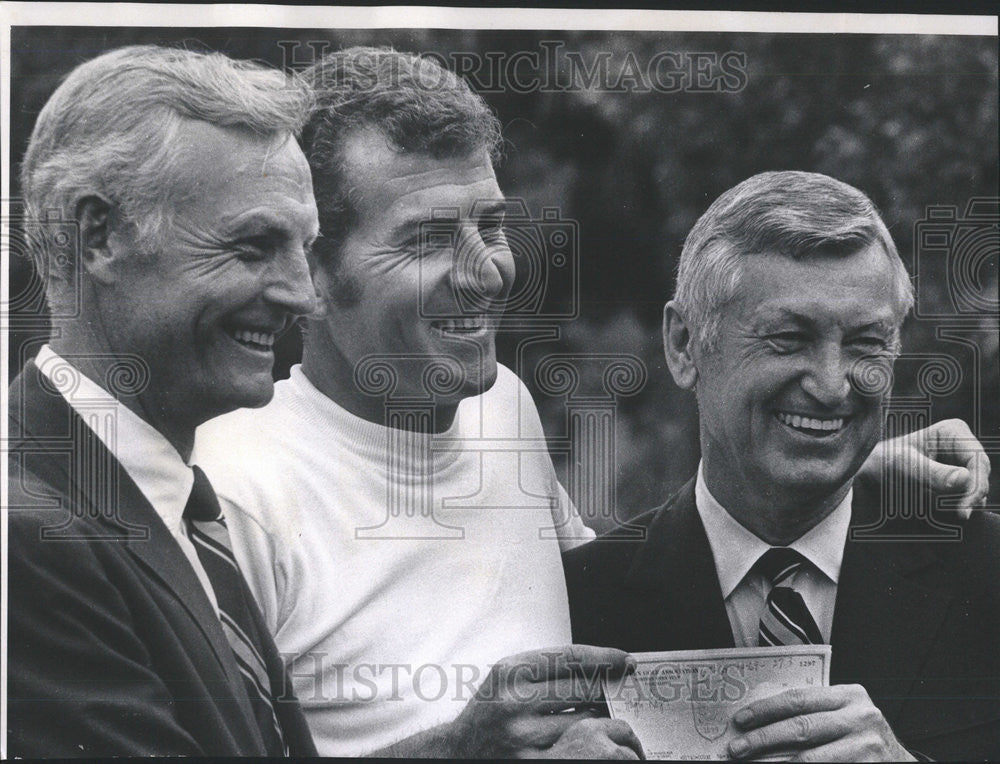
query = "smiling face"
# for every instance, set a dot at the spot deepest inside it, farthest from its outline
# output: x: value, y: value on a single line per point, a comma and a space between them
x: 782, y: 419
x: 202, y: 308
x: 394, y: 292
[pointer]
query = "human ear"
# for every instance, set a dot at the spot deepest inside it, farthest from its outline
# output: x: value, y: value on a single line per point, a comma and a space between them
x: 93, y: 215
x: 321, y: 289
x: 677, y: 347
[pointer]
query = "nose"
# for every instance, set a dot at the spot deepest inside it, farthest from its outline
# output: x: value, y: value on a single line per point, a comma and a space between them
x: 289, y: 284
x: 482, y: 272
x: 827, y: 379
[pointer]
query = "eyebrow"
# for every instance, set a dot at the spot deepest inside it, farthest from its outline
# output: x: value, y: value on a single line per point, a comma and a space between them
x: 784, y: 314
x: 880, y: 326
x: 260, y: 223
x: 408, y: 225
x: 493, y: 209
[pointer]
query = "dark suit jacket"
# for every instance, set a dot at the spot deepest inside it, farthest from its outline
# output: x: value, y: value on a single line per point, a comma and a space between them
x: 916, y: 623
x: 114, y: 647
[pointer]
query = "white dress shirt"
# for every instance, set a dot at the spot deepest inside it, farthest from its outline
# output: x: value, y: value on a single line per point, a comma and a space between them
x: 153, y: 464
x: 735, y: 550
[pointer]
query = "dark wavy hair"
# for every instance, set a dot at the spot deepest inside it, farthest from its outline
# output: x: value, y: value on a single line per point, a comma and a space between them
x: 415, y: 103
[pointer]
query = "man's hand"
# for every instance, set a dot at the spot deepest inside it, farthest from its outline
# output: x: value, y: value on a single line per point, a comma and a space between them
x: 837, y: 723
x: 540, y: 703
x: 595, y: 739
x: 946, y: 455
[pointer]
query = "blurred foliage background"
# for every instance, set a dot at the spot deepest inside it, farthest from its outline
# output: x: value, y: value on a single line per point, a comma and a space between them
x: 910, y: 120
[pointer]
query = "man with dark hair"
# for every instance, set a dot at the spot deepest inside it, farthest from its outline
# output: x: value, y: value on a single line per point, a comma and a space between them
x: 397, y: 560
x: 171, y: 208
x: 790, y: 296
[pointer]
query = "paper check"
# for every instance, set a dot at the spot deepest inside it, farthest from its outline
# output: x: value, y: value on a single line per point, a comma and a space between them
x: 679, y: 703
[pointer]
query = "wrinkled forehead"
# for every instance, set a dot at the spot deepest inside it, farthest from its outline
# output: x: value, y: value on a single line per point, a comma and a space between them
x: 440, y: 193
x: 222, y: 177
x: 204, y: 153
x: 843, y: 290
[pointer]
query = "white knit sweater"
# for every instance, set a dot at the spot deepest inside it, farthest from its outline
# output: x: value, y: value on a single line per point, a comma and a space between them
x: 386, y: 634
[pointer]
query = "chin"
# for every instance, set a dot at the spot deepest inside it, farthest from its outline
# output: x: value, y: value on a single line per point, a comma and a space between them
x: 479, y: 377
x: 813, y: 479
x: 250, y: 396
x: 471, y: 388
x: 489, y: 378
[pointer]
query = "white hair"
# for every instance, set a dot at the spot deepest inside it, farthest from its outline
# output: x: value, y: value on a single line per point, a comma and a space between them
x: 109, y: 129
x: 790, y: 213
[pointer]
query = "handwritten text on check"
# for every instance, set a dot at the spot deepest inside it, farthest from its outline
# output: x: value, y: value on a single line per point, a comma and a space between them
x: 680, y: 703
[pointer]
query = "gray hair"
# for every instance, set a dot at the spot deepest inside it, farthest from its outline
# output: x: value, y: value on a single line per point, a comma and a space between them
x: 790, y: 213
x: 109, y: 128
x: 414, y: 102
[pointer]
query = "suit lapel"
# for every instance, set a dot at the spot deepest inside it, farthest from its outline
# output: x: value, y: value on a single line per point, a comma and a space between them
x: 884, y: 622
x: 40, y: 419
x: 676, y: 563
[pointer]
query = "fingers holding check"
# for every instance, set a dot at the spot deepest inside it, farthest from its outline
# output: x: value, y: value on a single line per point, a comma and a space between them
x: 542, y: 703
x: 837, y: 723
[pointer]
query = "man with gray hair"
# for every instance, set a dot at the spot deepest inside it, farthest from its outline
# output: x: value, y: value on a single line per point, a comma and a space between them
x: 790, y: 297
x: 172, y: 210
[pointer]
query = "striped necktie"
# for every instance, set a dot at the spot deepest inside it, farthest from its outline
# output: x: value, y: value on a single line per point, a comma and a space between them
x: 208, y: 531
x: 786, y: 619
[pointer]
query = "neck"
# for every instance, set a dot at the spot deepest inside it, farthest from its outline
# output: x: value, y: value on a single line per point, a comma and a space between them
x: 333, y: 375
x: 93, y: 356
x: 775, y: 514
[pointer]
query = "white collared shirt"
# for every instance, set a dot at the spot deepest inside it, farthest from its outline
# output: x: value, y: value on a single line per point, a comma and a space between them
x: 148, y: 458
x: 735, y: 550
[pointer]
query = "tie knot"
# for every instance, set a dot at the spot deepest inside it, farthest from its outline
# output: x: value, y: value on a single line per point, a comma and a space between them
x: 779, y: 563
x: 202, y: 505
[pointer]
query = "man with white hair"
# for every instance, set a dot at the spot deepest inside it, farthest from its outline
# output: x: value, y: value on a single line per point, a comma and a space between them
x: 172, y: 209
x: 790, y: 297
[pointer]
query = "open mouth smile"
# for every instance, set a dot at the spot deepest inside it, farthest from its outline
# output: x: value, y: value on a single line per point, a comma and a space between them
x: 813, y: 426
x: 462, y: 327
x: 260, y: 341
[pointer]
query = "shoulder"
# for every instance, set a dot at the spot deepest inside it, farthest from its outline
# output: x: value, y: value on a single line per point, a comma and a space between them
x: 977, y: 558
x: 245, y: 456
x: 605, y: 604
x: 237, y: 429
x: 607, y: 559
x: 248, y: 427
x: 609, y: 555
x: 962, y: 555
x: 507, y: 385
x: 58, y: 555
x: 507, y: 407
x: 29, y: 523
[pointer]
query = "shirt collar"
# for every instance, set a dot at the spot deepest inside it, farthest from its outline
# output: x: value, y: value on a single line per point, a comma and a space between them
x: 148, y: 458
x: 735, y: 549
